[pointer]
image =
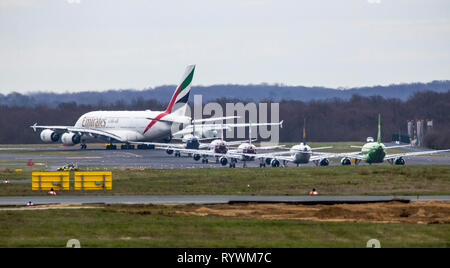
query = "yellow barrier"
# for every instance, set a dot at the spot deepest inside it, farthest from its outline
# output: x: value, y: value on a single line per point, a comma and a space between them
x: 96, y: 180
x: 48, y: 180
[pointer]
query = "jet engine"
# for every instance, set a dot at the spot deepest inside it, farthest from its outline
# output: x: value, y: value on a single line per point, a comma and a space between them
x: 167, y: 139
x: 223, y: 161
x: 346, y: 161
x: 275, y: 163
x: 324, y: 162
x: 192, y: 143
x: 48, y: 135
x: 169, y: 151
x: 197, y: 157
x: 399, y: 161
x: 70, y: 138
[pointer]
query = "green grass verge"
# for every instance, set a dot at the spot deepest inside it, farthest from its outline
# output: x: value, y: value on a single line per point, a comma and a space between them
x: 106, y: 227
x: 338, y: 147
x: 332, y: 180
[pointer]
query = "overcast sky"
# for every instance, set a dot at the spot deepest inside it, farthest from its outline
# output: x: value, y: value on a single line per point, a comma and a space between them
x: 78, y: 45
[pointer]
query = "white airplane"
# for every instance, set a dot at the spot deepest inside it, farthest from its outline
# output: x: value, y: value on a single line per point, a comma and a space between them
x: 297, y: 154
x: 125, y: 126
x: 375, y: 152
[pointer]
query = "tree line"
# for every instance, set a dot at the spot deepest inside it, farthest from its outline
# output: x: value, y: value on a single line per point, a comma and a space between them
x: 327, y: 120
x: 253, y: 93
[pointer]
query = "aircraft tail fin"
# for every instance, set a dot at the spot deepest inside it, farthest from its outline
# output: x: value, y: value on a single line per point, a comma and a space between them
x: 180, y: 97
x: 379, y: 129
x: 304, y: 130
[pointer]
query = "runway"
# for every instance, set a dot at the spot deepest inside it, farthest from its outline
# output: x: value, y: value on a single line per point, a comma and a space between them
x: 207, y: 199
x: 157, y: 159
x: 54, y: 157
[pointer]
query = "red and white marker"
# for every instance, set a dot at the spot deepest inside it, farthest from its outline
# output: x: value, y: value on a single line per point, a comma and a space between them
x: 314, y: 192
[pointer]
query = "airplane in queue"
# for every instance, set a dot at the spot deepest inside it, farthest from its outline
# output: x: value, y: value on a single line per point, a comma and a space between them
x: 375, y: 152
x: 193, y: 142
x: 298, y: 154
x: 217, y: 146
x: 128, y: 127
x: 224, y: 154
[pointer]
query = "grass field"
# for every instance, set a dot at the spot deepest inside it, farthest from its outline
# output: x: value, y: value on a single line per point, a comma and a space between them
x: 158, y: 226
x: 332, y: 180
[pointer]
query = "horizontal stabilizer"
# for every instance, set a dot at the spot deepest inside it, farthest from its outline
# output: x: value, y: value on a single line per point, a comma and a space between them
x: 322, y: 148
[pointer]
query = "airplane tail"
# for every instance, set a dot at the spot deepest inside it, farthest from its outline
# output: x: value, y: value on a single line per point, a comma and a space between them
x: 379, y: 129
x: 304, y: 130
x: 178, y: 103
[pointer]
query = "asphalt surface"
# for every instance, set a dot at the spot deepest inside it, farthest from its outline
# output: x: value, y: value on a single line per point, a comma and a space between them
x: 157, y: 159
x: 219, y: 199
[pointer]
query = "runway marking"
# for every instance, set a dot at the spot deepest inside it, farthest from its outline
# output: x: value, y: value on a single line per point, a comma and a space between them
x: 43, y: 208
x: 135, y: 155
x: 84, y: 157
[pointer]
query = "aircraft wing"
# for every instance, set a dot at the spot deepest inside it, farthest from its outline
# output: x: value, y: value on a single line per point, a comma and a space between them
x: 232, y: 143
x: 88, y: 131
x: 355, y: 155
x: 320, y: 156
x: 271, y: 147
x: 390, y: 147
x: 322, y: 148
x: 203, y: 152
x: 206, y: 127
x: 160, y: 145
x: 199, y: 139
x: 285, y: 158
x: 394, y: 156
x: 233, y: 125
x: 398, y: 146
x: 278, y: 156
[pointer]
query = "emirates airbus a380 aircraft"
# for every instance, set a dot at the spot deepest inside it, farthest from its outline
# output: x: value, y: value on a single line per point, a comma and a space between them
x: 125, y: 126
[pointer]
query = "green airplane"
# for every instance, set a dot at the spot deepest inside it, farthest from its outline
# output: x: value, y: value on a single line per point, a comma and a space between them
x: 375, y: 152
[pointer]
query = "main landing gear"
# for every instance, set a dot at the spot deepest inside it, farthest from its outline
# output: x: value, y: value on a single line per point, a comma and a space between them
x: 145, y: 147
x: 111, y: 147
x: 127, y: 147
x: 262, y: 164
x: 233, y: 163
x: 83, y: 147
